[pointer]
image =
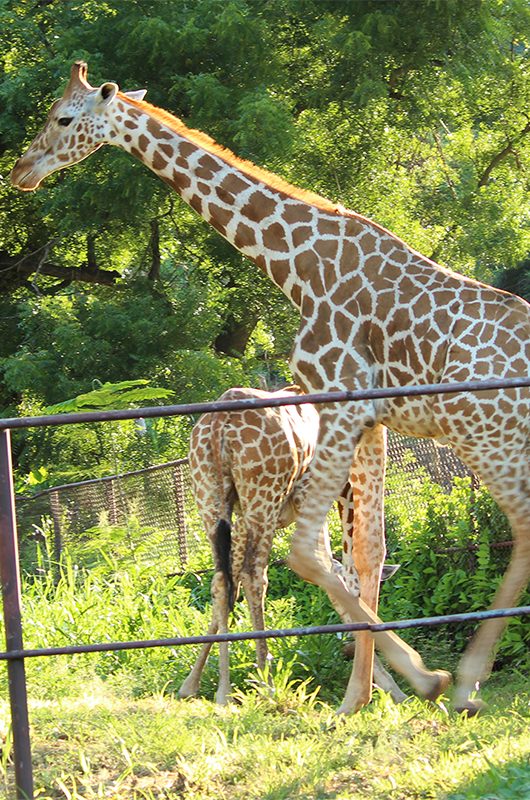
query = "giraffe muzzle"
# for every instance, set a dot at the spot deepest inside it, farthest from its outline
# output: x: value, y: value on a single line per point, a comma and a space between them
x: 23, y: 176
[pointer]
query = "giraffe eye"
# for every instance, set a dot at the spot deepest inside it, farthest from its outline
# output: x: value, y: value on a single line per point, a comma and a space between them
x: 64, y: 121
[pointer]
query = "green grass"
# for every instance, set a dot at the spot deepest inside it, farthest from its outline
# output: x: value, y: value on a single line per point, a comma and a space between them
x: 102, y: 743
x: 108, y: 725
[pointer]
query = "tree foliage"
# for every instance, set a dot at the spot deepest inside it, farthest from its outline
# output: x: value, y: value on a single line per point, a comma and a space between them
x: 415, y: 114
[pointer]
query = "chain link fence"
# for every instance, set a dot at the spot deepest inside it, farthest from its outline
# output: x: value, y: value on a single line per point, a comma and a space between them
x: 150, y: 515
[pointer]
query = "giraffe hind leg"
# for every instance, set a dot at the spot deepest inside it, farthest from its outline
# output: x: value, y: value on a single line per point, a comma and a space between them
x: 190, y: 686
x: 223, y: 597
x: 255, y: 587
x: 475, y: 665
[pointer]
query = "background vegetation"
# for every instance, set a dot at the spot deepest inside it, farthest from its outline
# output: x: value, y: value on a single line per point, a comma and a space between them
x: 114, y: 293
x: 413, y: 113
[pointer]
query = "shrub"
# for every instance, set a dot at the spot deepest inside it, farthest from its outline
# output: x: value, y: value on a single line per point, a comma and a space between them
x: 445, y: 543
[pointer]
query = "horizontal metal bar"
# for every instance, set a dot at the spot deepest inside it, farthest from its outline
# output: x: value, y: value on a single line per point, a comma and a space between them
x: 423, y: 622
x: 104, y: 479
x: 474, y: 547
x: 270, y: 402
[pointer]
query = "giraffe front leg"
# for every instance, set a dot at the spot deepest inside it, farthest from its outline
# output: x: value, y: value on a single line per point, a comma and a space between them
x: 382, y: 679
x: 362, y: 513
x: 190, y: 685
x: 403, y: 658
x: 310, y: 558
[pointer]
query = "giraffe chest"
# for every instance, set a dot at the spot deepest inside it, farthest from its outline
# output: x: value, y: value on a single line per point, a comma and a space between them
x: 350, y: 346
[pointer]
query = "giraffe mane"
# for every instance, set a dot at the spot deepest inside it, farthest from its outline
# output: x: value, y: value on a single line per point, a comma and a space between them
x: 247, y: 167
x: 270, y: 178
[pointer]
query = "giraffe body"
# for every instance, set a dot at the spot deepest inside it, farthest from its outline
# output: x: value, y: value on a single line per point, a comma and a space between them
x: 256, y: 463
x: 374, y: 312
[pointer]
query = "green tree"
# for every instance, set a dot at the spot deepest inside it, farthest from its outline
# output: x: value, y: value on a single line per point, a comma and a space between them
x: 412, y: 113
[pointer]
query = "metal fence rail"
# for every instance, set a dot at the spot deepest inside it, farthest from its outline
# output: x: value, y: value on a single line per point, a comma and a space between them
x: 13, y: 423
x: 278, y: 633
x: 9, y: 560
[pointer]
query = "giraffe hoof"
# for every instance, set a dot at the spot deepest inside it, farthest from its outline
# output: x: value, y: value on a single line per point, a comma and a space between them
x: 186, y: 692
x: 344, y: 709
x: 223, y: 698
x: 471, y: 708
x: 353, y: 706
x: 441, y: 680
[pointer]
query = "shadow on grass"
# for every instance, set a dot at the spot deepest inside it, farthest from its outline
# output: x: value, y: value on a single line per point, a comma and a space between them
x: 511, y: 781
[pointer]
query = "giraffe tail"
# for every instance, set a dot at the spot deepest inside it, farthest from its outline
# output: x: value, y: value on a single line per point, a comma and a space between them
x: 223, y: 546
x: 226, y: 496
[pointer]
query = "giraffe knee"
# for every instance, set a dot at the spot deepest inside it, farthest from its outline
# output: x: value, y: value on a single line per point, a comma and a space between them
x: 219, y: 590
x: 349, y: 575
x: 308, y: 566
x: 301, y: 564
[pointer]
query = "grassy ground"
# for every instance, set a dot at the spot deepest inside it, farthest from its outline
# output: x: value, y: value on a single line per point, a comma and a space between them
x: 105, y: 744
x: 108, y: 725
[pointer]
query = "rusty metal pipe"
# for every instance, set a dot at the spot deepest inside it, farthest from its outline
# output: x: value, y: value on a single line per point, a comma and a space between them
x: 280, y: 633
x: 241, y: 405
x: 10, y: 577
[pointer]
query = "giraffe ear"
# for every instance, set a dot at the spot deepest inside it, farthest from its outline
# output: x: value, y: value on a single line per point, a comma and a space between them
x: 138, y: 94
x: 106, y: 93
x: 389, y: 570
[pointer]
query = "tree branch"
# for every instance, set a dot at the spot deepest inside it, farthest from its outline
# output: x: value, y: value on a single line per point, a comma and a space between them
x: 496, y: 160
x: 106, y: 277
x: 14, y: 271
x: 154, y: 246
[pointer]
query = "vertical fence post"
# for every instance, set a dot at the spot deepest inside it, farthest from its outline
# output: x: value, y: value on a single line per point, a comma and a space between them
x: 10, y: 577
x: 55, y: 505
x: 178, y: 489
x: 110, y: 497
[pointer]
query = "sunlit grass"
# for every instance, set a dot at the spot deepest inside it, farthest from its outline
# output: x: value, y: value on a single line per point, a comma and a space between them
x: 284, y: 743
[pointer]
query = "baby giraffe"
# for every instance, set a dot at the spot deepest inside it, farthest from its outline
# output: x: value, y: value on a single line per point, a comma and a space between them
x: 257, y: 462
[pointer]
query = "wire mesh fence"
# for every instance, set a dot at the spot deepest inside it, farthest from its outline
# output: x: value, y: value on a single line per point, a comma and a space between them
x: 146, y: 515
x: 150, y: 514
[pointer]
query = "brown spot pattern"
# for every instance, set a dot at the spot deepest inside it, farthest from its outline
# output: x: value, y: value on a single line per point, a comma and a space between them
x: 159, y: 163
x: 274, y: 238
x: 245, y: 236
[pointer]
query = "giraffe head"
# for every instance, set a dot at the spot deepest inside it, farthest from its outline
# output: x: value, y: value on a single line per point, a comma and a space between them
x: 77, y: 125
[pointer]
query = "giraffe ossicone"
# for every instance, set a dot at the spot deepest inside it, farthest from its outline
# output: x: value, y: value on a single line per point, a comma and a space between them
x: 253, y: 465
x: 374, y: 312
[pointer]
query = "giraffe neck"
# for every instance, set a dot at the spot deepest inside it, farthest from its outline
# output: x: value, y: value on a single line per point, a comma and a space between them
x: 270, y: 222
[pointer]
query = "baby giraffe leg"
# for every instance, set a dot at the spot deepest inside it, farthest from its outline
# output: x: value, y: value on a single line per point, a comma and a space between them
x: 224, y: 686
x: 190, y: 686
x: 254, y: 582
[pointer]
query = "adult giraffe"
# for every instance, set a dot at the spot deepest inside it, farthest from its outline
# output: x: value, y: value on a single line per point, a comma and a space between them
x: 373, y: 313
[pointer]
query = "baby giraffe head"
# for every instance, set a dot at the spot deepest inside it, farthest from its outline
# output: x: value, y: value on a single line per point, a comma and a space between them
x: 77, y: 125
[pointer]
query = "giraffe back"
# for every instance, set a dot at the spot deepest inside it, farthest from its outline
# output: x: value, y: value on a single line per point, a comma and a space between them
x: 254, y: 458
